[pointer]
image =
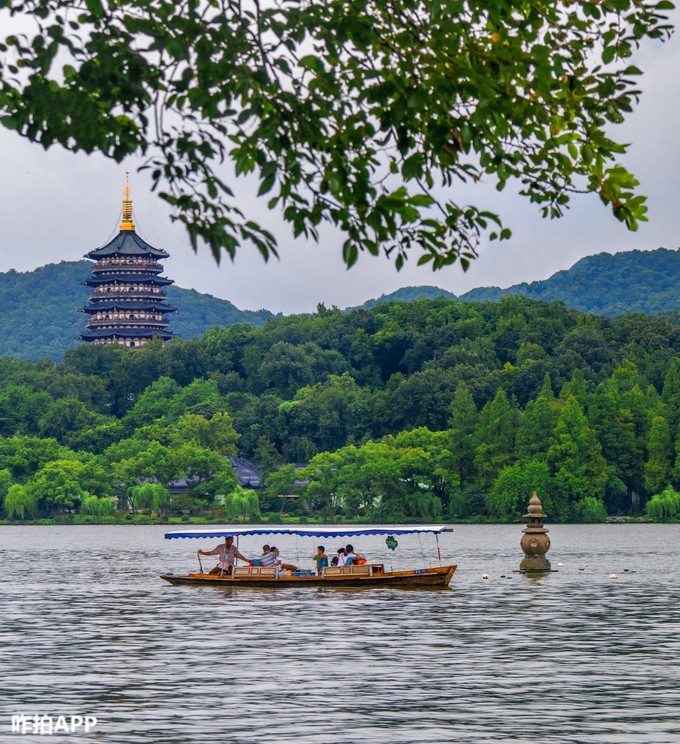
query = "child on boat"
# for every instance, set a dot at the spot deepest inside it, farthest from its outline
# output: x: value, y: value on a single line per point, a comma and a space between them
x: 339, y: 559
x: 321, y: 559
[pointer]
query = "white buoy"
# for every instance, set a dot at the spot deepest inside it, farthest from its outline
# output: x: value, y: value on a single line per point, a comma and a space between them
x: 613, y: 576
x: 560, y: 564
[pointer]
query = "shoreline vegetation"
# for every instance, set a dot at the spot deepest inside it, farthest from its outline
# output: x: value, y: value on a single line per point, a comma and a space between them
x: 143, y: 519
x: 423, y: 412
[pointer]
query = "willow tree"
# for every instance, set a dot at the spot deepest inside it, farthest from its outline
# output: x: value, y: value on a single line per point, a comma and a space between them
x: 241, y: 503
x: 377, y: 116
x: 19, y: 500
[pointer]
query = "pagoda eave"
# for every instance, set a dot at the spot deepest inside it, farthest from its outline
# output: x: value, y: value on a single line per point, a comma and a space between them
x: 99, y: 307
x: 127, y: 243
x: 124, y: 333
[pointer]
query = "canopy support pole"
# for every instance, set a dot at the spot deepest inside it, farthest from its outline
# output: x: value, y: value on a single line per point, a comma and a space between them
x: 226, y: 550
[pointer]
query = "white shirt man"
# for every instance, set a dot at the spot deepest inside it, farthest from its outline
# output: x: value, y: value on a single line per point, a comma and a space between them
x: 227, y: 554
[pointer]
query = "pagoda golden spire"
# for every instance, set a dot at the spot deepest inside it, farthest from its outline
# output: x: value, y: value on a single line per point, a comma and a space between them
x: 127, y: 223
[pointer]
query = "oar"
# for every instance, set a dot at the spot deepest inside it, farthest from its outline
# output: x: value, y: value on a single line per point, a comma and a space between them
x: 200, y: 565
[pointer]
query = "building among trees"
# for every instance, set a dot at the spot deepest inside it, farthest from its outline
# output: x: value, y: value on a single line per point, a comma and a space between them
x: 127, y: 302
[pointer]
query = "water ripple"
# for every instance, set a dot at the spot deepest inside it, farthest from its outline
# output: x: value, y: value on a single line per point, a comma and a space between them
x: 86, y: 626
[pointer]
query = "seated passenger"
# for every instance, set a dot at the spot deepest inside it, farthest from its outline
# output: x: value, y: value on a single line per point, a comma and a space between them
x: 256, y: 561
x: 267, y: 558
x: 352, y: 557
x: 339, y: 559
x: 283, y: 569
x: 321, y: 559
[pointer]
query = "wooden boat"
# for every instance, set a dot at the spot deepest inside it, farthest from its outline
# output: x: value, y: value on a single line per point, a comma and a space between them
x: 362, y: 575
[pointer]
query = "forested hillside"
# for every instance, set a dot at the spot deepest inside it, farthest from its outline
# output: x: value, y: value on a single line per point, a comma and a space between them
x: 606, y: 284
x: 430, y: 409
x: 407, y: 294
x: 39, y: 315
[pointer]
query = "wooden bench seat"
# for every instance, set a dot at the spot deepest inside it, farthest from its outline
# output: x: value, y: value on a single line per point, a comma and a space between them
x: 264, y: 571
x: 352, y: 569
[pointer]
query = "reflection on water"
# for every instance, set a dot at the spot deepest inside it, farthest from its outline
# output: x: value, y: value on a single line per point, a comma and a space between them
x: 86, y: 626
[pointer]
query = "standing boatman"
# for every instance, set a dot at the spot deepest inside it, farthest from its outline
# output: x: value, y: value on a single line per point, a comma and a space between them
x: 227, y: 554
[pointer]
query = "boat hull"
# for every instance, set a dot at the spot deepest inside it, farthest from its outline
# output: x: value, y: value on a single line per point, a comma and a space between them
x: 435, y: 576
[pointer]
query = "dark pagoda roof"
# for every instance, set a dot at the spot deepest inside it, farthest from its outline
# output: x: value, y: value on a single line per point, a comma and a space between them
x: 127, y: 243
x: 156, y: 306
x: 124, y: 279
x: 126, y: 333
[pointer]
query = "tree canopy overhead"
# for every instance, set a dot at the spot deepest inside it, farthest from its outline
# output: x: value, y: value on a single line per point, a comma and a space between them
x: 377, y: 116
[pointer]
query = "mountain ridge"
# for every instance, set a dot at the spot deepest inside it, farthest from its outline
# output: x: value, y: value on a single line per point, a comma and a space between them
x: 38, y: 322
x: 30, y: 309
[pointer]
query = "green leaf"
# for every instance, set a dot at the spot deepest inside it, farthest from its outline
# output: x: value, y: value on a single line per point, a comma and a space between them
x: 267, y: 184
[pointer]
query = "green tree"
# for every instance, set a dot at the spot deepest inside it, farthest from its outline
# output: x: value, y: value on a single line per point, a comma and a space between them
x: 154, y: 497
x: 96, y: 506
x: 24, y: 456
x: 509, y: 497
x: 463, y: 422
x: 575, y: 460
x: 222, y: 482
x: 60, y: 484
x: 20, y: 500
x: 323, y: 476
x: 21, y: 409
x: 495, y: 438
x: 622, y: 444
x: 241, y: 503
x: 660, y: 457
x: 197, y: 462
x: 665, y: 505
x: 350, y: 113
x: 153, y: 404
x: 670, y: 396
x: 279, y: 483
x: 65, y: 418
x: 590, y: 509
x: 537, y: 424
x: 153, y: 462
x: 6, y: 481
x: 442, y: 468
x: 216, y: 433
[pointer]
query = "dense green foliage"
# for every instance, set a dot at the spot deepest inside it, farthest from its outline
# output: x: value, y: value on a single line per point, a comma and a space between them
x: 39, y: 315
x: 363, y: 115
x: 429, y: 409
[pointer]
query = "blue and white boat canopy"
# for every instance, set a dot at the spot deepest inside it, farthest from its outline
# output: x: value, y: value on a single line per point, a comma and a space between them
x: 337, y: 531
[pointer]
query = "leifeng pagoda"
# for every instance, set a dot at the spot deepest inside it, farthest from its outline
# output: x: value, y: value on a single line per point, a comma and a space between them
x: 127, y: 302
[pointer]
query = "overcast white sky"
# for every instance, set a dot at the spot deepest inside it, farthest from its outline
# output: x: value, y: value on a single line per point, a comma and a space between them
x: 57, y: 206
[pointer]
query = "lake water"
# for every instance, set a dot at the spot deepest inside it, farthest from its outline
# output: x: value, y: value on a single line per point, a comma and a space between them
x: 88, y: 628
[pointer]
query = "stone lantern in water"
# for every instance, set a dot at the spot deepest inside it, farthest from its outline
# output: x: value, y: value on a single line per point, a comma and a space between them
x: 535, y: 541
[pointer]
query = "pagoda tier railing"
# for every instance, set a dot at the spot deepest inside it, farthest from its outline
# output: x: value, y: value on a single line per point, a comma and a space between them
x: 141, y: 314
x: 127, y: 263
x: 124, y: 292
x: 124, y: 323
x: 136, y: 342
